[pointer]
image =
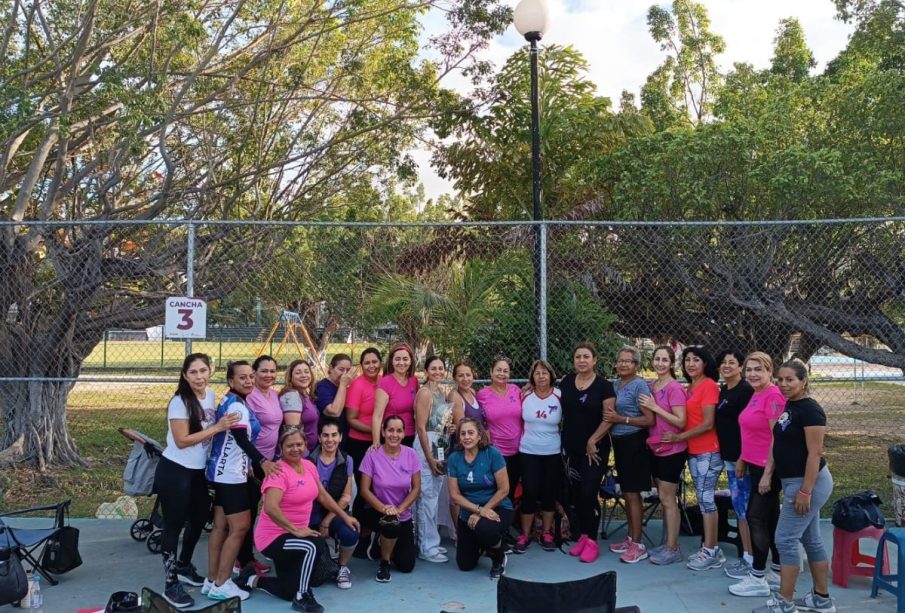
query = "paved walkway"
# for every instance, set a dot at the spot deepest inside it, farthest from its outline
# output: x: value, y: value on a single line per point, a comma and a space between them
x: 113, y: 561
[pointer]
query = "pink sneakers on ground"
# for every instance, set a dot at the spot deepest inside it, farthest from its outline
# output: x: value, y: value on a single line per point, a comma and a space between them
x: 590, y: 552
x: 578, y: 547
x: 622, y: 546
x: 634, y: 554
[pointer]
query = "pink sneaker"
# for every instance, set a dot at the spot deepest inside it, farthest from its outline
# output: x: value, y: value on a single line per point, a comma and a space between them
x: 591, y: 552
x: 578, y: 547
x: 521, y: 544
x: 622, y: 546
x: 635, y: 553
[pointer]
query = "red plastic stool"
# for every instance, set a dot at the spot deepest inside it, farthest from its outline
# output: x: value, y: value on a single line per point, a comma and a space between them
x: 848, y: 559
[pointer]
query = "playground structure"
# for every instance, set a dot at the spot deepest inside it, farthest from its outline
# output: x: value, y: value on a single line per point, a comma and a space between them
x: 293, y: 329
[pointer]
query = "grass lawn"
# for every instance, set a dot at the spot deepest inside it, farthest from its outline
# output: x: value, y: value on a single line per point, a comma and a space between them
x: 859, y: 435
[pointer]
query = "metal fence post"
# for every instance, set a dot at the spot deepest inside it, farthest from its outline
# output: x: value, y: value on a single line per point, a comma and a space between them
x: 542, y: 293
x: 190, y: 273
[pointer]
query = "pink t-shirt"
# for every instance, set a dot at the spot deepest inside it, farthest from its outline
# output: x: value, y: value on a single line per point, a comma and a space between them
x: 402, y: 400
x: 270, y: 415
x: 670, y: 395
x: 360, y: 396
x: 391, y: 478
x: 754, y: 422
x: 504, y: 417
x: 299, y: 494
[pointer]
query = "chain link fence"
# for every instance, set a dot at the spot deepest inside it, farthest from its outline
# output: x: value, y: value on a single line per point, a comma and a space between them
x: 84, y: 309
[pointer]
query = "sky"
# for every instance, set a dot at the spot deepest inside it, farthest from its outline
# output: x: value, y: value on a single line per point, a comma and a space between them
x: 612, y: 35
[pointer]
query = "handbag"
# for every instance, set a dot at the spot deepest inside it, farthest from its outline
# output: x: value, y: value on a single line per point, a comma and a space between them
x: 858, y: 511
x: 13, y: 582
x: 61, y: 553
x: 325, y: 567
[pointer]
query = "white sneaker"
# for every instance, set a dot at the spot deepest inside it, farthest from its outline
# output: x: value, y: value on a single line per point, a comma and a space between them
x: 206, y: 586
x: 442, y: 550
x: 226, y: 591
x: 437, y: 558
x: 751, y: 586
x: 344, y: 578
x: 772, y: 579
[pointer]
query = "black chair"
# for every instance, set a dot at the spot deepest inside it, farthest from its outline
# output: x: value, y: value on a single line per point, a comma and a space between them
x: 27, y: 543
x: 612, y: 502
x: 152, y: 602
x: 595, y: 594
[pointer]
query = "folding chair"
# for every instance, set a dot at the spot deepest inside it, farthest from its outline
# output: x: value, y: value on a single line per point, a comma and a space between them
x: 28, y: 542
x: 610, y: 492
x: 595, y: 594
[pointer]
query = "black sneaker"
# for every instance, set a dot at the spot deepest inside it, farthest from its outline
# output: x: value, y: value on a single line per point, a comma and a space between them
x: 307, y: 603
x: 374, y: 547
x: 188, y: 574
x: 383, y: 572
x: 178, y: 597
x: 499, y: 566
x: 245, y: 578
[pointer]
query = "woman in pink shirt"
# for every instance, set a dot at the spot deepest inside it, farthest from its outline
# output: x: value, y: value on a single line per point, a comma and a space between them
x: 756, y: 424
x: 360, y: 411
x: 283, y: 533
x: 502, y: 404
x: 395, y: 394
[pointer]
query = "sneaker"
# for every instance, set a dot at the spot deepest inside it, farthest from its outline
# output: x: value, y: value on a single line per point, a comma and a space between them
x: 442, y: 550
x: 245, y: 577
x: 498, y: 568
x: 521, y: 544
x: 590, y: 553
x: 813, y: 602
x: 226, y: 591
x: 546, y: 541
x: 307, y: 603
x: 383, y: 572
x: 206, y: 587
x: 437, y: 558
x: 178, y: 597
x: 705, y: 561
x: 657, y: 549
x: 578, y: 547
x: 738, y: 569
x: 751, y: 585
x: 622, y: 546
x: 635, y: 553
x: 664, y: 555
x: 188, y: 574
x: 344, y: 578
x: 374, y: 548
x: 776, y: 604
x: 772, y: 579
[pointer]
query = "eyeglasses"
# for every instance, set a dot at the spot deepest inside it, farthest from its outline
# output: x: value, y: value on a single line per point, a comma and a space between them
x: 625, y: 362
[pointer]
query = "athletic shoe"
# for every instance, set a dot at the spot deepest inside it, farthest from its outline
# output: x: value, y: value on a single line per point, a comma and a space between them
x: 590, y: 553
x: 635, y: 553
x: 622, y: 546
x: 499, y: 566
x: 178, y: 597
x: 208, y: 584
x: 546, y: 541
x: 738, y: 569
x: 656, y: 549
x: 442, y: 550
x: 751, y: 586
x: 664, y: 555
x: 772, y: 579
x: 578, y: 547
x: 188, y: 574
x: 226, y: 591
x: 383, y: 572
x: 437, y: 558
x: 705, y: 561
x: 307, y: 603
x: 374, y: 548
x: 813, y: 602
x: 244, y: 578
x: 344, y: 578
x: 521, y: 544
x: 776, y: 604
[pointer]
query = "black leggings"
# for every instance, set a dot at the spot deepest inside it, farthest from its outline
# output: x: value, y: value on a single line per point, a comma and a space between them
x: 294, y: 559
x: 357, y: 450
x: 514, y: 472
x: 185, y: 503
x: 486, y: 534
x: 405, y: 551
x: 584, y: 488
x: 540, y: 481
x: 763, y: 516
x: 253, y: 484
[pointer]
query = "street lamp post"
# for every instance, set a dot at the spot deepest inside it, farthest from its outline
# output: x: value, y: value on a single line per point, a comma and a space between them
x: 530, y: 18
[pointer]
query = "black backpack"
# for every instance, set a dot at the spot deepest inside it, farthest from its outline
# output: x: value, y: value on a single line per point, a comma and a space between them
x: 858, y: 511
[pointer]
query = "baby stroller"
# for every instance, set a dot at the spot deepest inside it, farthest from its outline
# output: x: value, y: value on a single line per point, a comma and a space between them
x: 138, y: 480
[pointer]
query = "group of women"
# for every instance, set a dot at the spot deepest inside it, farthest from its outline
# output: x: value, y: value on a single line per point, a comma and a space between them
x: 501, y: 452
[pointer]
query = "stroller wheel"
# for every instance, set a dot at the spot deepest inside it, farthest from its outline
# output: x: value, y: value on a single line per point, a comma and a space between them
x: 141, y: 529
x: 154, y: 541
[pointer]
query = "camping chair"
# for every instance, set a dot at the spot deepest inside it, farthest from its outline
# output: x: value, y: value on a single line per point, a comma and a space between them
x: 595, y: 594
x: 152, y: 602
x: 612, y: 501
x: 27, y: 543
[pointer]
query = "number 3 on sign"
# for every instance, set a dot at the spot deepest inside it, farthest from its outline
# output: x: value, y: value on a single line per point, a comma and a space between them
x: 185, y: 318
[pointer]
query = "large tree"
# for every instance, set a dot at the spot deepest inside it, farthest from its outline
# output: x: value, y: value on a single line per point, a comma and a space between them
x: 180, y: 109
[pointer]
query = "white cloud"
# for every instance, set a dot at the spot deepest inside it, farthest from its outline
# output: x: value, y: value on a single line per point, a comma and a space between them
x: 612, y: 35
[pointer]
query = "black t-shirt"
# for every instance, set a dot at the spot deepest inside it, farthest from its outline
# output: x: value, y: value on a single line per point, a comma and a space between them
x: 790, y: 448
x: 582, y: 411
x: 732, y: 403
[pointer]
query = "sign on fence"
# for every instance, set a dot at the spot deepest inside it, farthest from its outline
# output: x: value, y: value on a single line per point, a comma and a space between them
x: 185, y: 318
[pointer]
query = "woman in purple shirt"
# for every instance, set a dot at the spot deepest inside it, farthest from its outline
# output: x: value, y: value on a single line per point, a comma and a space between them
x: 297, y: 403
x: 390, y: 485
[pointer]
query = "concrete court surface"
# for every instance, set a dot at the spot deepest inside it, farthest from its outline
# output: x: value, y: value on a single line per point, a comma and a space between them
x: 113, y: 561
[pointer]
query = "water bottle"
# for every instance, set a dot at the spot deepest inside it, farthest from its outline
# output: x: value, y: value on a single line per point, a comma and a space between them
x: 36, y: 598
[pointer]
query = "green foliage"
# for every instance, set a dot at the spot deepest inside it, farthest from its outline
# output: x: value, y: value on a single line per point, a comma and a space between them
x: 791, y: 56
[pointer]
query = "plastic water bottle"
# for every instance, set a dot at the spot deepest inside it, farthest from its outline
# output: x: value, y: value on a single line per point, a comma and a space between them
x: 36, y: 598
